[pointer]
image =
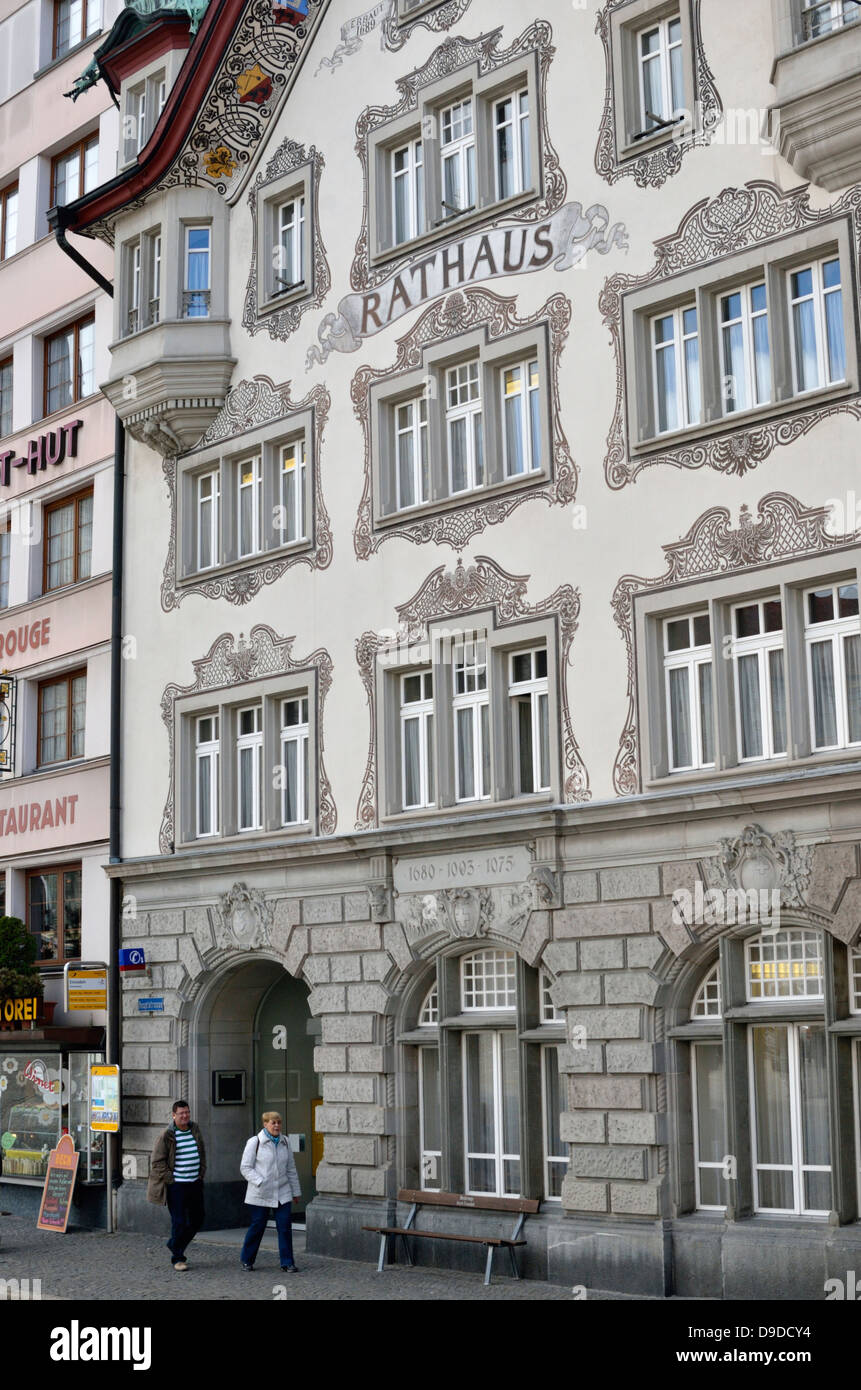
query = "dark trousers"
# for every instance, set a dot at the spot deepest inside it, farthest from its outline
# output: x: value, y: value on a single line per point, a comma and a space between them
x: 185, y: 1204
x: 283, y: 1224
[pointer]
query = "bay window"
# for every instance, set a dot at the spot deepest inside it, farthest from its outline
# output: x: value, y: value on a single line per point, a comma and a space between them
x: 825, y: 16
x: 143, y: 282
x: 688, y: 676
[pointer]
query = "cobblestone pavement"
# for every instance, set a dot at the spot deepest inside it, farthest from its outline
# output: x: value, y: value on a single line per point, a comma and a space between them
x: 92, y: 1265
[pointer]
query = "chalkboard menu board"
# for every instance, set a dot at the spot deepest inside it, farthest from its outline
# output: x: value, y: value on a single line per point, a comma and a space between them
x: 59, y: 1186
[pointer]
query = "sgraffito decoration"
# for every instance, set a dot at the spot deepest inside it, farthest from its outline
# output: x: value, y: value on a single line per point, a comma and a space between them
x: 737, y: 218
x: 783, y: 529
x: 249, y: 405
x: 465, y: 589
x: 447, y: 319
x: 383, y: 19
x: 280, y: 323
x: 228, y: 664
x: 652, y: 167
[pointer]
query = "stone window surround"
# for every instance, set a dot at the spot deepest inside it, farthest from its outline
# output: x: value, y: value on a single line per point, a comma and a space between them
x: 299, y: 182
x: 626, y: 24
x: 518, y: 347
x: 412, y: 125
x: 270, y: 692
x: 702, y: 286
x: 404, y: 659
x: 731, y: 1031
x: 410, y: 1035
x: 718, y: 593
x: 260, y: 441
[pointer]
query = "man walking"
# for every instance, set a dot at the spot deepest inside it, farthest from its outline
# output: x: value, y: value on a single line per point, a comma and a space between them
x: 176, y: 1174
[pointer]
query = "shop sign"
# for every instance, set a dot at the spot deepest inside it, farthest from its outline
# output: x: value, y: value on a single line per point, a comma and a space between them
x: 86, y: 989
x: 151, y: 1006
x: 105, y: 1099
x: 53, y: 447
x: 59, y: 1186
x: 38, y: 815
x: 19, y: 1010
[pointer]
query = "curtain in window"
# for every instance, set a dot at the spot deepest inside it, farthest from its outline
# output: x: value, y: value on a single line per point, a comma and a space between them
x: 680, y: 718
x: 824, y: 703
x: 544, y: 739
x: 79, y: 708
x: 706, y: 717
x: 668, y: 394
x: 711, y: 1123
x: 852, y: 659
x: 204, y: 795
x: 778, y: 701
x: 406, y: 461
x: 510, y: 1112
x: 480, y: 1116
x: 834, y: 329
x: 554, y: 1148
x: 247, y: 808
x: 692, y: 366
x: 85, y: 536
x: 734, y: 364
x: 816, y: 1144
x: 465, y: 755
x: 412, y: 762
x: 53, y: 722
x: 749, y: 706
x: 514, y: 460
x: 457, y: 447
x: 61, y: 546
x: 60, y: 384
x: 773, y: 1120
x: 291, y: 781
x: 523, y: 706
x: 804, y: 326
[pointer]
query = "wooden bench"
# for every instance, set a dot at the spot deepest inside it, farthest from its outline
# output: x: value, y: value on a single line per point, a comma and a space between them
x: 522, y: 1206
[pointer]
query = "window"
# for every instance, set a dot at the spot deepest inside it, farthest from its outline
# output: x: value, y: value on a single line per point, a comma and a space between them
x: 290, y: 270
x: 207, y: 494
x: 824, y: 17
x: 68, y: 541
x: 488, y: 1132
x: 8, y: 221
x: 530, y: 729
x: 196, y: 284
x: 6, y: 397
x: 457, y: 156
x: 417, y: 740
x: 75, y: 171
x: 294, y: 761
x: 513, y: 157
x: 769, y: 331
x: 144, y: 106
x: 688, y: 676
x: 855, y: 982
x: 293, y: 491
x: 249, y: 482
x: 69, y: 370
x: 5, y: 560
x: 206, y: 755
x: 54, y: 912
x: 784, y: 965
x: 408, y: 192
x: 521, y: 416
x: 143, y: 276
x: 74, y: 21
x: 464, y: 428
x: 248, y: 768
x: 676, y: 369
x: 62, y: 718
x: 411, y: 452
x: 833, y: 638
x: 472, y: 722
x: 661, y: 77
x: 287, y: 250
x: 249, y: 761
x: 760, y: 686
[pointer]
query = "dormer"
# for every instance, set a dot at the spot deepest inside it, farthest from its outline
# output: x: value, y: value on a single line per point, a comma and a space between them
x: 141, y: 72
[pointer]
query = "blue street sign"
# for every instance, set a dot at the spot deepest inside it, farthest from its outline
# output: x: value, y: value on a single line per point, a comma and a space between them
x: 151, y: 1006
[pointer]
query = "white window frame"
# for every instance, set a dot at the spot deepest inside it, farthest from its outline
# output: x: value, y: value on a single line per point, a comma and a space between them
x: 505, y: 969
x: 254, y: 489
x: 535, y: 689
x: 457, y: 149
x: 707, y: 1000
x: 209, y: 753
x: 290, y: 268
x: 677, y: 345
x: 663, y: 58
x: 797, y: 1167
x: 747, y: 319
x: 293, y: 479
x: 412, y: 175
x: 528, y: 389
x: 253, y: 743
x: 760, y: 646
x: 550, y: 1015
x: 799, y: 941
x: 835, y: 630
x: 699, y: 1163
x: 210, y: 527
x: 297, y: 734
x: 421, y: 712
x: 498, y: 1156
x: 464, y: 379
x: 519, y: 122
x: 687, y: 658
x: 472, y: 702
x: 205, y: 291
x: 818, y: 296
x: 550, y: 1160
x: 416, y: 431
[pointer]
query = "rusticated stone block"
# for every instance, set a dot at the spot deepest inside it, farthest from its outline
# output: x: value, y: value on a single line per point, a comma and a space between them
x: 166, y: 924
x: 197, y: 925
x: 602, y: 919
x: 578, y: 1195
x: 367, y: 999
x: 607, y: 1092
x: 396, y: 944
x: 328, y: 999
x: 347, y: 1149
x: 347, y: 1028
x: 677, y: 874
x: 330, y: 1059
x: 606, y: 953
x: 356, y: 907
x: 644, y: 952
x: 581, y: 1059
x: 583, y: 1127
x: 847, y: 920
x: 368, y: 1119
x: 581, y: 886
x: 331, y: 1119
x: 346, y: 1089
x: 368, y: 1182
x: 351, y: 936
x: 347, y: 968
x: 631, y: 987
x: 317, y: 970
x: 163, y: 1059
x: 376, y: 965
x: 675, y: 935
x: 376, y: 1059
x: 135, y: 1111
x: 331, y: 1179
x: 632, y: 881
x: 297, y: 950
x: 591, y: 1161
x: 146, y: 1083
x: 286, y: 913
x: 561, y: 956
x: 570, y: 990
x: 607, y: 1023
x: 633, y: 1129
x: 324, y: 909
x: 632, y: 1057
x: 151, y: 1028
x: 536, y: 936
x: 832, y: 865
x: 189, y: 956
x: 636, y: 1198
x: 135, y: 1058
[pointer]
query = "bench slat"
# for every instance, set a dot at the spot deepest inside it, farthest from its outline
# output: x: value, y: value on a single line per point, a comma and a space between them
x: 409, y: 1195
x: 441, y: 1235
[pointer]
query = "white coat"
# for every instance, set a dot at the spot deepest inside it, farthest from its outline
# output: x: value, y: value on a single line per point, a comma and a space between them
x: 270, y: 1170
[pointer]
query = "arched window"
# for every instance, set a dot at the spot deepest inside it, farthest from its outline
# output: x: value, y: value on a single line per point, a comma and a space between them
x: 487, y: 1085
x: 768, y: 1134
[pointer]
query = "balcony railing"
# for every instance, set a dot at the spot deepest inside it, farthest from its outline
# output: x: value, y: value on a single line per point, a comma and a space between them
x: 195, y: 304
x: 827, y: 17
x: 134, y: 315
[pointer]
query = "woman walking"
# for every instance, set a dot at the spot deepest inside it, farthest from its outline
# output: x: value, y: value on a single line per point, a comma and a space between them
x: 273, y: 1182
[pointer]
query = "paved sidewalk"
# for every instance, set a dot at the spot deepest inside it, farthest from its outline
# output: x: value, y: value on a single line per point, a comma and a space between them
x: 91, y: 1265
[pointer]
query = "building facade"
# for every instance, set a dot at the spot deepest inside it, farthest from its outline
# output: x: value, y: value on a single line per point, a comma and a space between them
x: 491, y: 736
x: 56, y: 528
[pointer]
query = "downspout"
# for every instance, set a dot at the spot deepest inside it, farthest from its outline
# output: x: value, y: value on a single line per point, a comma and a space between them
x: 112, y: 1050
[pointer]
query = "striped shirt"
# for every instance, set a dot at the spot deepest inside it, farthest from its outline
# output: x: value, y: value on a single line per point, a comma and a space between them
x: 186, y: 1167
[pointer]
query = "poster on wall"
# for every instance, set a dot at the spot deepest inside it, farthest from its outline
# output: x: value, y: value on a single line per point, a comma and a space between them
x: 105, y: 1099
x: 59, y: 1186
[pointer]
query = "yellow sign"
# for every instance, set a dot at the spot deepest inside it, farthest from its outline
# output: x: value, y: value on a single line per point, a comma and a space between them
x: 88, y: 989
x: 105, y: 1099
x: 19, y: 1010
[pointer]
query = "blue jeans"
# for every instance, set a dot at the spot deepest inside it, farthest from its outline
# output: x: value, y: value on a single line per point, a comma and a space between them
x: 283, y: 1222
x: 185, y: 1204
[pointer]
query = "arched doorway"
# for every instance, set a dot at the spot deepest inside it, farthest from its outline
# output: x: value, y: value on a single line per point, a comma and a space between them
x: 252, y: 1049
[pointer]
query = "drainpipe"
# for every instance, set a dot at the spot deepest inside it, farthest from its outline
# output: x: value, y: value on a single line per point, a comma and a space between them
x: 112, y: 1041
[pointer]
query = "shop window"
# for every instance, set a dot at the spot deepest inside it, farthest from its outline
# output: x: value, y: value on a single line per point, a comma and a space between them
x: 43, y: 1095
x: 54, y: 912
x: 69, y: 366
x: 62, y: 718
x: 68, y: 541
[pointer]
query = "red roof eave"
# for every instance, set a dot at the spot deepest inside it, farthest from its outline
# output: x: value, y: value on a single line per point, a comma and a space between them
x: 174, y: 123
